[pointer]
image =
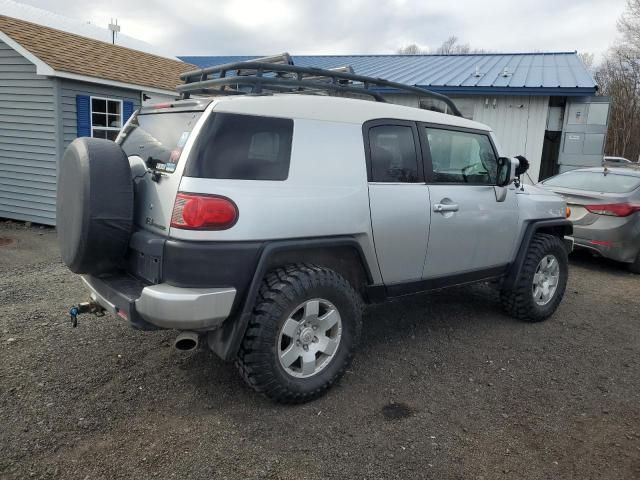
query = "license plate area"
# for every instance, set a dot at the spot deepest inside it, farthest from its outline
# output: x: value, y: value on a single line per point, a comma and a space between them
x: 145, y: 256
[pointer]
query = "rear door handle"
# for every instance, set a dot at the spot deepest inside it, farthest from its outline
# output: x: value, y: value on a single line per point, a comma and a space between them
x: 445, y: 207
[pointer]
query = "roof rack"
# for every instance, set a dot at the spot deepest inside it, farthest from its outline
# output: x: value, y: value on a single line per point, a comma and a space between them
x: 279, y: 74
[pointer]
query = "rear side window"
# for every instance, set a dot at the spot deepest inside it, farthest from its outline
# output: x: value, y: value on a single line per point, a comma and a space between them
x: 393, y: 154
x: 242, y: 147
x: 159, y: 137
x: 595, y: 182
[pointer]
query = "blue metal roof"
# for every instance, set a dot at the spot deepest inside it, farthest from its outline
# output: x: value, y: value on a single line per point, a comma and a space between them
x: 561, y: 74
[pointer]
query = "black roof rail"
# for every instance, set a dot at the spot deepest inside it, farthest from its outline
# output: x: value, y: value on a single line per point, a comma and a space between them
x: 278, y: 74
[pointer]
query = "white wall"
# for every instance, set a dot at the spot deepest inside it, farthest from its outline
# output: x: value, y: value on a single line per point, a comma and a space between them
x: 519, y: 124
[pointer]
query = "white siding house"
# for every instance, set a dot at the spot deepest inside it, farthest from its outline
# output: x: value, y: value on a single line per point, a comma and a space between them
x: 54, y: 87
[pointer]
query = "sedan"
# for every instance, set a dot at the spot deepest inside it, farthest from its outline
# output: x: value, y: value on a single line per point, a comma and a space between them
x: 616, y: 161
x: 605, y: 210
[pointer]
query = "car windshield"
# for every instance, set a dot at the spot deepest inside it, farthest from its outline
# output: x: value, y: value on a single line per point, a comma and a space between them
x: 595, y: 182
x: 158, y: 138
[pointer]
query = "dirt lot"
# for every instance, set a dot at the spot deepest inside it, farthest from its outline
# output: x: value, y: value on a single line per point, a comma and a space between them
x: 444, y: 387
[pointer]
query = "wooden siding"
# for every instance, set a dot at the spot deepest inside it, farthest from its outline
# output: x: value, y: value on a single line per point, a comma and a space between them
x: 28, y: 141
x: 69, y: 90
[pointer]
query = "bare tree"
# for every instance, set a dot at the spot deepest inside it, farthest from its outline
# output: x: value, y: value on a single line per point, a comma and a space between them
x: 629, y: 24
x: 450, y: 46
x: 589, y: 61
x: 412, y: 49
x: 619, y: 78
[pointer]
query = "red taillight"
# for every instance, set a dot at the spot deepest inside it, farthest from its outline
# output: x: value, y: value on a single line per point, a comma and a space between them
x: 162, y: 105
x: 602, y: 243
x: 203, y: 212
x: 614, y: 209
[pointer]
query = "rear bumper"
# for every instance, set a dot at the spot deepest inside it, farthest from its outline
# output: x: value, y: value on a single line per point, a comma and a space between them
x: 617, y: 242
x: 621, y: 252
x: 161, y: 306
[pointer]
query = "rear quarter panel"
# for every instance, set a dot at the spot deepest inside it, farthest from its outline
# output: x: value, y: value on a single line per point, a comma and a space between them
x: 324, y: 195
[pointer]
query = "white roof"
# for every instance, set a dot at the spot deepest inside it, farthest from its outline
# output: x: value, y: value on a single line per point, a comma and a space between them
x: 53, y: 20
x: 335, y: 109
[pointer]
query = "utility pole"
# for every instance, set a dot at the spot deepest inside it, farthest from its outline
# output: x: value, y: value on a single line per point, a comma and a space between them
x: 115, y: 29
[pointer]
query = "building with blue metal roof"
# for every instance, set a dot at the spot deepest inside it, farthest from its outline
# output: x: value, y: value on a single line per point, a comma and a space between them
x: 541, y: 105
x: 479, y: 74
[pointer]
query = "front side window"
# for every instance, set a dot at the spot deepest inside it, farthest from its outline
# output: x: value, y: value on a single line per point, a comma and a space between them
x: 242, y: 147
x: 393, y: 154
x: 106, y: 117
x: 461, y: 157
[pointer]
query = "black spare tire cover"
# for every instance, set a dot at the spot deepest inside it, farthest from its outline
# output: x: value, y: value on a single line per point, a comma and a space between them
x: 94, y: 214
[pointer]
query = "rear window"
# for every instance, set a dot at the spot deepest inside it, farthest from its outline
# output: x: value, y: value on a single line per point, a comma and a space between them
x: 595, y: 182
x: 159, y: 137
x: 242, y: 147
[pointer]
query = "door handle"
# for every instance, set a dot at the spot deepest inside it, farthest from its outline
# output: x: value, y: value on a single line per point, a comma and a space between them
x: 445, y: 207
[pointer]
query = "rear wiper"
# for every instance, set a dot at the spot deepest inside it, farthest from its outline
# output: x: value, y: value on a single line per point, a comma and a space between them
x: 153, y: 162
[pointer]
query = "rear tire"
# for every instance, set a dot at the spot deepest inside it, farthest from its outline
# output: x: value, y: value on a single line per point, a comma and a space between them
x: 305, y: 327
x: 538, y: 291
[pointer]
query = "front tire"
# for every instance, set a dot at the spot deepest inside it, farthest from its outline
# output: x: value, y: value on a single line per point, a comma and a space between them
x: 305, y: 327
x: 542, y: 282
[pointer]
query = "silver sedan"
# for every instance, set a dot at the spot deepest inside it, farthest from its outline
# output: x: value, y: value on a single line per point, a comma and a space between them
x: 605, y: 210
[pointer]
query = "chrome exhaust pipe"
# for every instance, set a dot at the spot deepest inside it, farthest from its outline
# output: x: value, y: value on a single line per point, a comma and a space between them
x: 186, y: 341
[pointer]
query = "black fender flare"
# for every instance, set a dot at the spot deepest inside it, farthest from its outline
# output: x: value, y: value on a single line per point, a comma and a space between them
x: 226, y: 340
x: 560, y: 227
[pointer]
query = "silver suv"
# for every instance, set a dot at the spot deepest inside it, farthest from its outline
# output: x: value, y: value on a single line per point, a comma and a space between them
x: 261, y: 216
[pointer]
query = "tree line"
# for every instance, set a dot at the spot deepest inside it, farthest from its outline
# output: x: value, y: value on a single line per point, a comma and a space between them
x: 618, y: 77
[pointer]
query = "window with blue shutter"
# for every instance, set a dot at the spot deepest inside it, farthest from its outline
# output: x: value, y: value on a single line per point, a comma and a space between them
x: 101, y: 117
x: 127, y: 111
x: 83, y: 115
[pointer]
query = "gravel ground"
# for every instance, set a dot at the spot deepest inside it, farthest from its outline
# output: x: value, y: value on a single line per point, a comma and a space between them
x: 444, y: 387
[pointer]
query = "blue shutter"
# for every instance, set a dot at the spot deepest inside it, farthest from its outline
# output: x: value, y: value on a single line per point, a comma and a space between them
x: 83, y: 115
x: 127, y: 111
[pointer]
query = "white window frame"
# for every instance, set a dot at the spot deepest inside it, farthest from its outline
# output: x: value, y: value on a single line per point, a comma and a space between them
x: 113, y: 129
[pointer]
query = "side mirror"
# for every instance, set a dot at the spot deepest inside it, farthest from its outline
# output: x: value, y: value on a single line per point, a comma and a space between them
x: 506, y: 171
x: 523, y: 165
x: 509, y: 169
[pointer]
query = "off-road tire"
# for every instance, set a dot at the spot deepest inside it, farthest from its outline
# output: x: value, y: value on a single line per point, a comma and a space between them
x: 282, y: 290
x: 518, y: 301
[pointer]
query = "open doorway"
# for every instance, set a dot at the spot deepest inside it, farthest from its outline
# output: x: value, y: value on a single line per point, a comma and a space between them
x: 550, y: 151
x: 552, y: 138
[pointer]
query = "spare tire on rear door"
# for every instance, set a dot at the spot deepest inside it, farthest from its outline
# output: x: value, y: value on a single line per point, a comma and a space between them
x: 95, y: 205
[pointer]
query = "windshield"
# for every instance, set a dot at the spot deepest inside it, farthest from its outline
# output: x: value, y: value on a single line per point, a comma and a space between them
x: 158, y: 138
x: 595, y: 182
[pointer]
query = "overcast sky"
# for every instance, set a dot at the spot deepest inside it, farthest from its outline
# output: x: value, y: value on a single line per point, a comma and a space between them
x: 222, y: 27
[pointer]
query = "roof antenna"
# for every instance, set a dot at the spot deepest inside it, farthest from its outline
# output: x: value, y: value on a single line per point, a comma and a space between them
x: 115, y: 29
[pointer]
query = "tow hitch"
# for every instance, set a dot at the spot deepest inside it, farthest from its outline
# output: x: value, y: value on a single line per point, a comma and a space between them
x: 85, y: 307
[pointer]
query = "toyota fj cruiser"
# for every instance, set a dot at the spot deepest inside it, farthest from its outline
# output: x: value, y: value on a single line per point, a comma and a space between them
x: 263, y: 214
